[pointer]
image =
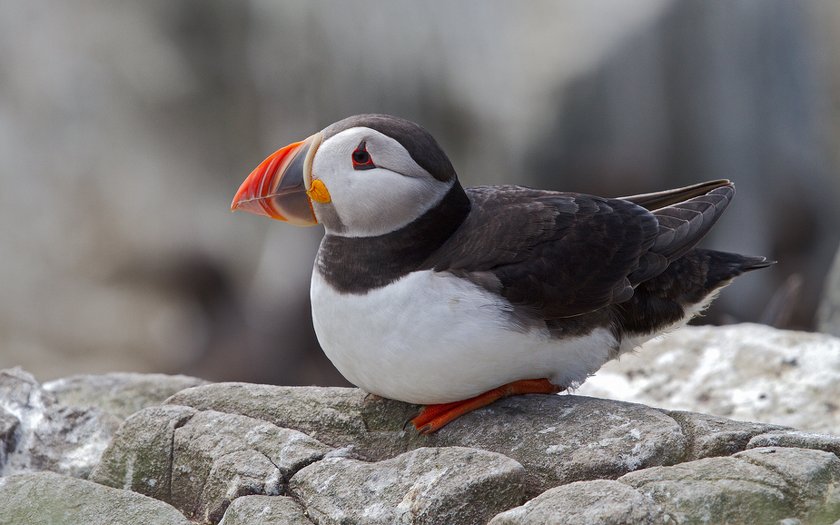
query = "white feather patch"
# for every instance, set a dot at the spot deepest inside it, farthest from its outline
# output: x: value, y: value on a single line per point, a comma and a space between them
x: 435, y: 338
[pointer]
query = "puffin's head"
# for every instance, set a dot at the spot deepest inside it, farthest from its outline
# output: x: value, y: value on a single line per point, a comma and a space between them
x: 362, y: 176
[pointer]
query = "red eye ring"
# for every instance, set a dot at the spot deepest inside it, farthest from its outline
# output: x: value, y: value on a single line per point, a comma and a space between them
x: 361, y: 158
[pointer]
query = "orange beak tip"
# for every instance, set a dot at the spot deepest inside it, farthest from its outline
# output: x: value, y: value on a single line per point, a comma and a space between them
x: 276, y: 188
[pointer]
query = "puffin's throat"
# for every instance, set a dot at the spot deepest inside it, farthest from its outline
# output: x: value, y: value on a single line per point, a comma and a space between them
x: 359, y: 264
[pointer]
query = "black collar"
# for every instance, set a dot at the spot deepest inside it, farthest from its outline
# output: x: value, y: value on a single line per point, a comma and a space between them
x: 359, y: 264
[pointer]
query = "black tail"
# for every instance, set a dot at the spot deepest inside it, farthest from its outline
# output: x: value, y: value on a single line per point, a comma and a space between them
x: 721, y: 267
x: 688, y: 281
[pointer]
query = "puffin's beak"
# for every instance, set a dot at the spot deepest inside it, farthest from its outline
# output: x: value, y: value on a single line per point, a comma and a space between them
x: 280, y: 187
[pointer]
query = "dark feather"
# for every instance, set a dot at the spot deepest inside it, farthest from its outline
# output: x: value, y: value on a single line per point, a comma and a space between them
x: 562, y: 254
x: 661, y: 301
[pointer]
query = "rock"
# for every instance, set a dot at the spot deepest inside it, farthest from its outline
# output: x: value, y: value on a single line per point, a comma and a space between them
x: 340, y: 417
x: 48, y: 435
x: 140, y: 456
x: 424, y: 486
x: 812, y: 479
x: 9, y: 426
x: 52, y: 499
x: 119, y: 394
x: 200, y: 461
x: 560, y: 439
x: 797, y: 439
x: 319, y: 411
x: 710, y: 436
x: 265, y: 510
x: 715, y: 490
x: 757, y: 486
x: 598, y: 502
x: 747, y: 371
x: 218, y: 457
x: 233, y: 451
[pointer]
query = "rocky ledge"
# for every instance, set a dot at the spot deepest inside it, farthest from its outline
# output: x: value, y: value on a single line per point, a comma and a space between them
x: 129, y: 448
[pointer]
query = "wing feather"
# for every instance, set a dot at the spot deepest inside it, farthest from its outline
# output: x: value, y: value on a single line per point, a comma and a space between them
x: 564, y: 254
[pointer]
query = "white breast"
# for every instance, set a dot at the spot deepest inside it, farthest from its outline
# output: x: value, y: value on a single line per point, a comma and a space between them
x: 434, y: 338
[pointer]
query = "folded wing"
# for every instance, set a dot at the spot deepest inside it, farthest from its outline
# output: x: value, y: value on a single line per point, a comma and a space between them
x: 563, y: 254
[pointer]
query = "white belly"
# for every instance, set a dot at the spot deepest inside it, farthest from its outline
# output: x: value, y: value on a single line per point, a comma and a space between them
x: 434, y: 338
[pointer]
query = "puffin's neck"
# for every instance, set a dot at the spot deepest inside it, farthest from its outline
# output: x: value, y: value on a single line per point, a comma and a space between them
x: 359, y: 264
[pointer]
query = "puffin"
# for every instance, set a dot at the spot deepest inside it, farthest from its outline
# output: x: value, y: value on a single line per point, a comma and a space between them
x: 430, y: 293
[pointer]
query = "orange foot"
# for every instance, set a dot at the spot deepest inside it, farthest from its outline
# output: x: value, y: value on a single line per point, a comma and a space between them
x: 434, y: 417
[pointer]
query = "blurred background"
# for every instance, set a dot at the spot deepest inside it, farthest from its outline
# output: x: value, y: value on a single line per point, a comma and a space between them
x: 125, y: 129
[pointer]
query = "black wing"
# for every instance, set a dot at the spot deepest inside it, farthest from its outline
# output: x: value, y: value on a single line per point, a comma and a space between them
x: 565, y: 254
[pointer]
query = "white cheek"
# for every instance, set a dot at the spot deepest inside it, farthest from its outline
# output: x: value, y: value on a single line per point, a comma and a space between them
x: 378, y: 201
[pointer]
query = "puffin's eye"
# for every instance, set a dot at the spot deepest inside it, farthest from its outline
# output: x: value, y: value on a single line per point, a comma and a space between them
x: 361, y: 158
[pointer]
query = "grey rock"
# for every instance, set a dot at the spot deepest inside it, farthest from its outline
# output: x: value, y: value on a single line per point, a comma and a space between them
x: 710, y: 436
x: 318, y: 411
x: 201, y: 461
x: 218, y: 457
x: 46, y: 498
x: 140, y: 456
x: 748, y: 372
x: 599, y: 502
x: 238, y: 473
x: 9, y: 426
x: 560, y: 439
x: 48, y: 435
x: 119, y: 394
x: 797, y: 439
x: 424, y: 486
x: 755, y: 486
x: 340, y: 417
x: 812, y: 478
x: 715, y: 490
x: 265, y: 510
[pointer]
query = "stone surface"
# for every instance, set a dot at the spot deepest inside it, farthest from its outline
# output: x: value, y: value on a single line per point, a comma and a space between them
x: 797, y: 439
x: 558, y: 439
x: 748, y: 372
x: 265, y: 510
x: 756, y: 486
x: 340, y: 417
x: 48, y: 435
x: 119, y: 394
x: 598, y: 502
x: 140, y: 456
x: 46, y: 498
x: 200, y: 461
x: 812, y: 479
x: 9, y: 426
x: 218, y: 457
x: 424, y: 486
x: 710, y: 436
x: 234, y: 451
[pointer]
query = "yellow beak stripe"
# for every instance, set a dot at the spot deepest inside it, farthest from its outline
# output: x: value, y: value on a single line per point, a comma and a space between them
x: 318, y: 192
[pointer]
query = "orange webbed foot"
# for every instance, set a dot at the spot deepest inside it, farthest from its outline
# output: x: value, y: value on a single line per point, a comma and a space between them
x: 434, y: 417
